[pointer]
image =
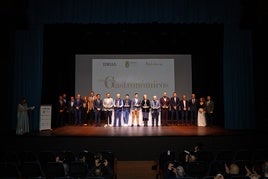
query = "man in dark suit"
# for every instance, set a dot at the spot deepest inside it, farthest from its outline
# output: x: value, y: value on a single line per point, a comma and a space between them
x: 184, y: 106
x: 175, y: 107
x: 98, y: 105
x: 193, y: 109
x: 165, y: 104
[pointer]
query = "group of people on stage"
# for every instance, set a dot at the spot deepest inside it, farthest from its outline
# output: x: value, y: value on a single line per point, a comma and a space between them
x: 83, y: 111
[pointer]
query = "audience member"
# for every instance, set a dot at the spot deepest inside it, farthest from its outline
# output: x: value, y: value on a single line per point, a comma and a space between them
x: 265, y: 170
x: 232, y: 170
x: 180, y: 172
x: 218, y: 176
x: 252, y: 174
x: 102, y: 167
x: 61, y: 159
x: 174, y: 171
x: 170, y: 172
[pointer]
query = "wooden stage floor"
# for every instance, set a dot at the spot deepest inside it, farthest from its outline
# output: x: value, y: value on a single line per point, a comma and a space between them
x: 127, y: 131
x: 137, y: 143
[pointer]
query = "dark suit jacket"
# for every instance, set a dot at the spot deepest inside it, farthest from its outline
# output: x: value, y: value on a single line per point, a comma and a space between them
x: 165, y: 104
x: 174, y: 103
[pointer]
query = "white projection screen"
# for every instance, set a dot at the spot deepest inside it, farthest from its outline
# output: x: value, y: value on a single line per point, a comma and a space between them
x: 130, y: 74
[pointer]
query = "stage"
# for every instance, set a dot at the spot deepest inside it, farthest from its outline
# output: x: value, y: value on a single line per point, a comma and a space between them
x: 136, y: 143
x: 128, y: 131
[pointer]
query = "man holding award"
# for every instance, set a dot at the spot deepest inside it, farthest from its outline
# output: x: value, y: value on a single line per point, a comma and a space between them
x: 165, y: 104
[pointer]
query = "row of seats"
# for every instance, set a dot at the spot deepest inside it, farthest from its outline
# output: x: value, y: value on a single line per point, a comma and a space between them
x: 199, y: 169
x: 29, y: 164
x: 210, y: 163
x: 227, y: 155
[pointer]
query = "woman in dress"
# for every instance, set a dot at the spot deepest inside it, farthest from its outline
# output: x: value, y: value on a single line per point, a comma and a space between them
x: 201, y: 118
x: 23, y: 117
x: 145, y: 106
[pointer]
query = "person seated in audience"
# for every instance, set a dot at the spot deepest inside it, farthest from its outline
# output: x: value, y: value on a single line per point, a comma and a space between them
x: 84, y: 158
x: 102, y: 167
x: 107, y: 171
x: 218, y: 176
x: 194, y: 154
x: 252, y: 174
x: 173, y: 172
x: 232, y: 170
x: 170, y: 172
x: 61, y: 159
x: 180, y: 172
x: 190, y: 158
x: 265, y: 170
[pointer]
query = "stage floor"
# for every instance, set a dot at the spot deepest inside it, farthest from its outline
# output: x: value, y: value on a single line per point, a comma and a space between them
x: 128, y: 131
x: 137, y: 143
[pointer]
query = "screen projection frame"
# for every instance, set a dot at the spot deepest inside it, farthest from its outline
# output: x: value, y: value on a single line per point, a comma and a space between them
x: 182, y: 72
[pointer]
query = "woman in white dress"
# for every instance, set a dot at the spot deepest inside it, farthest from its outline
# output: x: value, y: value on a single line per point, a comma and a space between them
x: 201, y: 118
x: 23, y: 118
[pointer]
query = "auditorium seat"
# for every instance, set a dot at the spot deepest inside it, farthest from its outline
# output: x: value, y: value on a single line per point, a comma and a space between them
x: 260, y: 154
x: 46, y: 156
x: 109, y: 155
x: 78, y: 169
x: 54, y: 169
x: 68, y: 156
x: 166, y: 156
x: 31, y: 169
x: 27, y: 156
x: 89, y: 157
x: 225, y: 155
x: 9, y: 170
x: 206, y: 156
x: 197, y: 169
x: 10, y: 157
x: 240, y: 177
x: 243, y: 154
x: 208, y: 177
x: 217, y: 166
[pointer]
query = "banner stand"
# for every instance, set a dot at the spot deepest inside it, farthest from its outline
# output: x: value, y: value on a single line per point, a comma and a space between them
x: 45, y: 117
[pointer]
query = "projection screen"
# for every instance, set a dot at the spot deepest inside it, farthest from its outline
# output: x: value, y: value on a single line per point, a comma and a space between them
x: 129, y: 74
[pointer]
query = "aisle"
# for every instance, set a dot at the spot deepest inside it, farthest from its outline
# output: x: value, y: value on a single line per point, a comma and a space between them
x: 135, y: 169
